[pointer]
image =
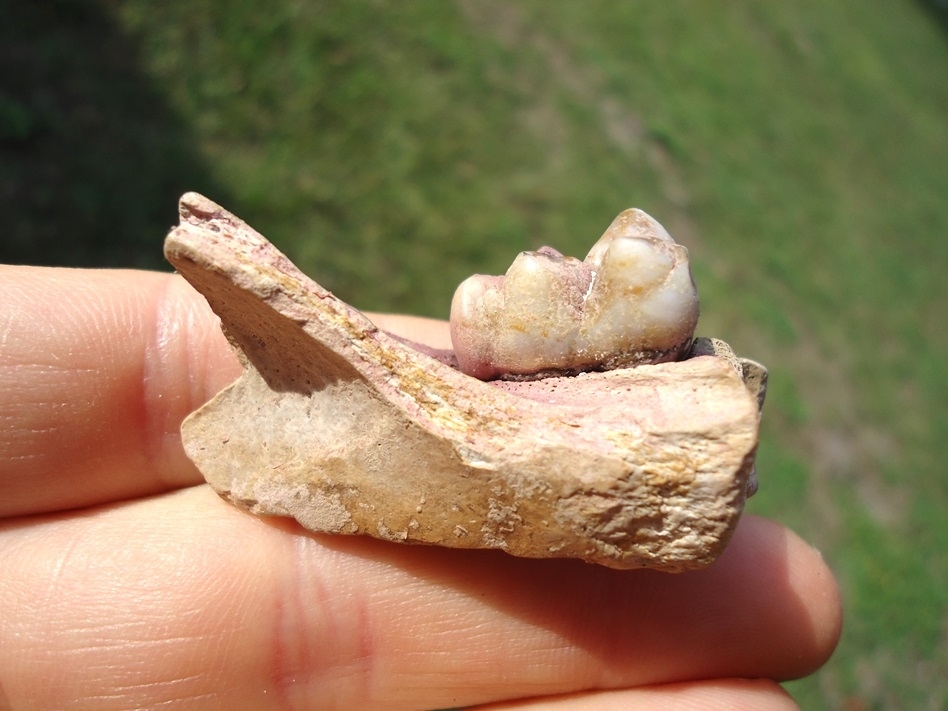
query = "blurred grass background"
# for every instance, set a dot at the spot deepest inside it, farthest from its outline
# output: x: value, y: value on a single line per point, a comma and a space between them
x: 392, y: 148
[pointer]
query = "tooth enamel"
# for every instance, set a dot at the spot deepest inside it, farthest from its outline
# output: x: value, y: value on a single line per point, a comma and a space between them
x: 632, y: 300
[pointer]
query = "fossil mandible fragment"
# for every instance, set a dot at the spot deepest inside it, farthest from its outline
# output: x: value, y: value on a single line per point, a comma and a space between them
x: 631, y: 301
x: 352, y: 431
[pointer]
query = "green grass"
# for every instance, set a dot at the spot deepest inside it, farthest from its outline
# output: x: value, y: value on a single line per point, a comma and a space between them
x: 798, y: 149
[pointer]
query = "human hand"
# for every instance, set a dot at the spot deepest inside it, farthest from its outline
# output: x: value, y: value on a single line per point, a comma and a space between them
x: 127, y: 583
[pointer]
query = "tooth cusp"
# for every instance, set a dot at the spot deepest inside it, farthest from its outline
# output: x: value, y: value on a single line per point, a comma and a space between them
x: 631, y: 301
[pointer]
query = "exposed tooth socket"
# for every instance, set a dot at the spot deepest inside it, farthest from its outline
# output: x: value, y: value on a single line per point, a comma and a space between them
x: 632, y: 300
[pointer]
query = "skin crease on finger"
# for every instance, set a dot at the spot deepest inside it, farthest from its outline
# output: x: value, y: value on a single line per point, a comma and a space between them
x: 97, y: 370
x: 725, y: 695
x: 183, y: 597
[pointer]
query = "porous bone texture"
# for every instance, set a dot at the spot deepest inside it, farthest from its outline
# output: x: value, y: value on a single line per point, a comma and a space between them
x: 351, y: 431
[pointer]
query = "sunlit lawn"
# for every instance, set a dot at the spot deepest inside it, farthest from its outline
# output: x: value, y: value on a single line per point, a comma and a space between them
x: 798, y: 149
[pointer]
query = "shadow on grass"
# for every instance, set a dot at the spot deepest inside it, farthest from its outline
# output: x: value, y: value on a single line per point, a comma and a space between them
x: 92, y: 160
x: 938, y: 11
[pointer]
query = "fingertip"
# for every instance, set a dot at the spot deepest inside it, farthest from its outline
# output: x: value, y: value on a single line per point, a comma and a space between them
x: 186, y: 361
x: 797, y: 591
x: 428, y: 331
x: 814, y: 582
x: 209, y: 361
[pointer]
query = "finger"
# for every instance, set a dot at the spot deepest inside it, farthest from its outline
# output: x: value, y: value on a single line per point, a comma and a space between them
x: 429, y: 331
x: 183, y: 598
x: 97, y: 370
x: 722, y: 695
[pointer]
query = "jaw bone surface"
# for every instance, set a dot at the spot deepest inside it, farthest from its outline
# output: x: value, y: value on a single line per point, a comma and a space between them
x: 632, y: 300
x: 353, y: 432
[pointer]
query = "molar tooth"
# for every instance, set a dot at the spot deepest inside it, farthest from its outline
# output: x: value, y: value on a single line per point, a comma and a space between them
x: 531, y: 315
x: 634, y: 265
x: 475, y: 308
x: 633, y: 223
x: 632, y: 300
x: 637, y: 301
